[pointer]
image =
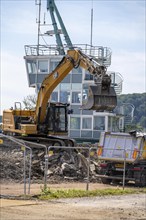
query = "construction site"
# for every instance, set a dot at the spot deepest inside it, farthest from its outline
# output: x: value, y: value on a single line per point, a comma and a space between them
x: 73, y: 137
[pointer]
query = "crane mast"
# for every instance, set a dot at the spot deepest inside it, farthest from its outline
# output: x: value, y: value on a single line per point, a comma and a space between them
x: 53, y: 10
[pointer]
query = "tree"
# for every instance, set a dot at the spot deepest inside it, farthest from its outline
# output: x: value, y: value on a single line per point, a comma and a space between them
x: 30, y: 102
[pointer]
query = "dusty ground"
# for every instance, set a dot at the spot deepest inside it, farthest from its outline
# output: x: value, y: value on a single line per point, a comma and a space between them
x: 125, y: 207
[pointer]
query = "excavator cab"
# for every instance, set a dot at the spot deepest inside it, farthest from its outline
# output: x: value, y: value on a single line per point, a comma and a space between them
x: 101, y: 96
x: 56, y: 121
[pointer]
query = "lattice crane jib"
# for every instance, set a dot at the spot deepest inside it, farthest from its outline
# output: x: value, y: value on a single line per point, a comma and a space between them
x: 51, y: 7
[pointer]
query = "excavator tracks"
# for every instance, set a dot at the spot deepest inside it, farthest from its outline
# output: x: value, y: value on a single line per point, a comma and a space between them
x: 49, y: 140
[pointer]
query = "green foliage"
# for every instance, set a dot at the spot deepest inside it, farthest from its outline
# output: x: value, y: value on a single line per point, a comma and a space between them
x: 47, y: 193
x: 139, y: 102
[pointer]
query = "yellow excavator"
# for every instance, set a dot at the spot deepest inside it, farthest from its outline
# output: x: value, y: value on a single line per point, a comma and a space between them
x: 48, y: 122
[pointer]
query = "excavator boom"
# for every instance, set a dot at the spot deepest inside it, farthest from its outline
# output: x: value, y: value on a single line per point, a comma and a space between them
x: 101, y: 95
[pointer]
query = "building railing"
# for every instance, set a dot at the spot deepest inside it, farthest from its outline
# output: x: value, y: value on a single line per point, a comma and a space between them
x: 100, y: 53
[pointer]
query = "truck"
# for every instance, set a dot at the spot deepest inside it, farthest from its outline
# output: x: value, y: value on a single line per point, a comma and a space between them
x: 122, y: 156
x: 48, y: 123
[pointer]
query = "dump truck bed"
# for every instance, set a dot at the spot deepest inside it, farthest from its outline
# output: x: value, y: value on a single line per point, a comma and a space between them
x: 121, y: 146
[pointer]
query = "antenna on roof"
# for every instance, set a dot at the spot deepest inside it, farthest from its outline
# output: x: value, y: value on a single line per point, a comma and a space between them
x: 39, y: 23
x: 91, y: 36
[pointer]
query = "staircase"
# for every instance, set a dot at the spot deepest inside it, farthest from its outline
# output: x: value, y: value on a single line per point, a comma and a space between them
x: 117, y: 81
x: 127, y: 110
x: 128, y: 119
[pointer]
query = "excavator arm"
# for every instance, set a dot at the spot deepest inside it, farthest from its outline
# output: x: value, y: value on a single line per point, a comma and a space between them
x: 101, y: 95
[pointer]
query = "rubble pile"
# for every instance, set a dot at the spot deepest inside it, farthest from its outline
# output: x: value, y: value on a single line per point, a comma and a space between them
x: 11, y: 165
x: 61, y: 165
x: 68, y: 164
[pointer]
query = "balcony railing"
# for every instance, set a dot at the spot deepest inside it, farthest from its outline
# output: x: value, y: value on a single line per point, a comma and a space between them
x: 101, y: 54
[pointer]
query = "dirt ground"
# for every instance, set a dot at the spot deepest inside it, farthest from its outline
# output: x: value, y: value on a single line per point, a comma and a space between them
x: 124, y: 207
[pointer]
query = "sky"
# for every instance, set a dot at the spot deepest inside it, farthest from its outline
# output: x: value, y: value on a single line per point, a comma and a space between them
x: 117, y: 24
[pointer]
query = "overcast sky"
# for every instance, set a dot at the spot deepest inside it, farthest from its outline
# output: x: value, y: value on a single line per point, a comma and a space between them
x: 118, y: 24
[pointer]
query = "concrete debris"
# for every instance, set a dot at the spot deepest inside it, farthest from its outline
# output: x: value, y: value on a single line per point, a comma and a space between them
x: 62, y: 164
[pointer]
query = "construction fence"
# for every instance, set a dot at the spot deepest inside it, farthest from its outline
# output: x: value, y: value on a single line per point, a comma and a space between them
x: 27, y: 167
